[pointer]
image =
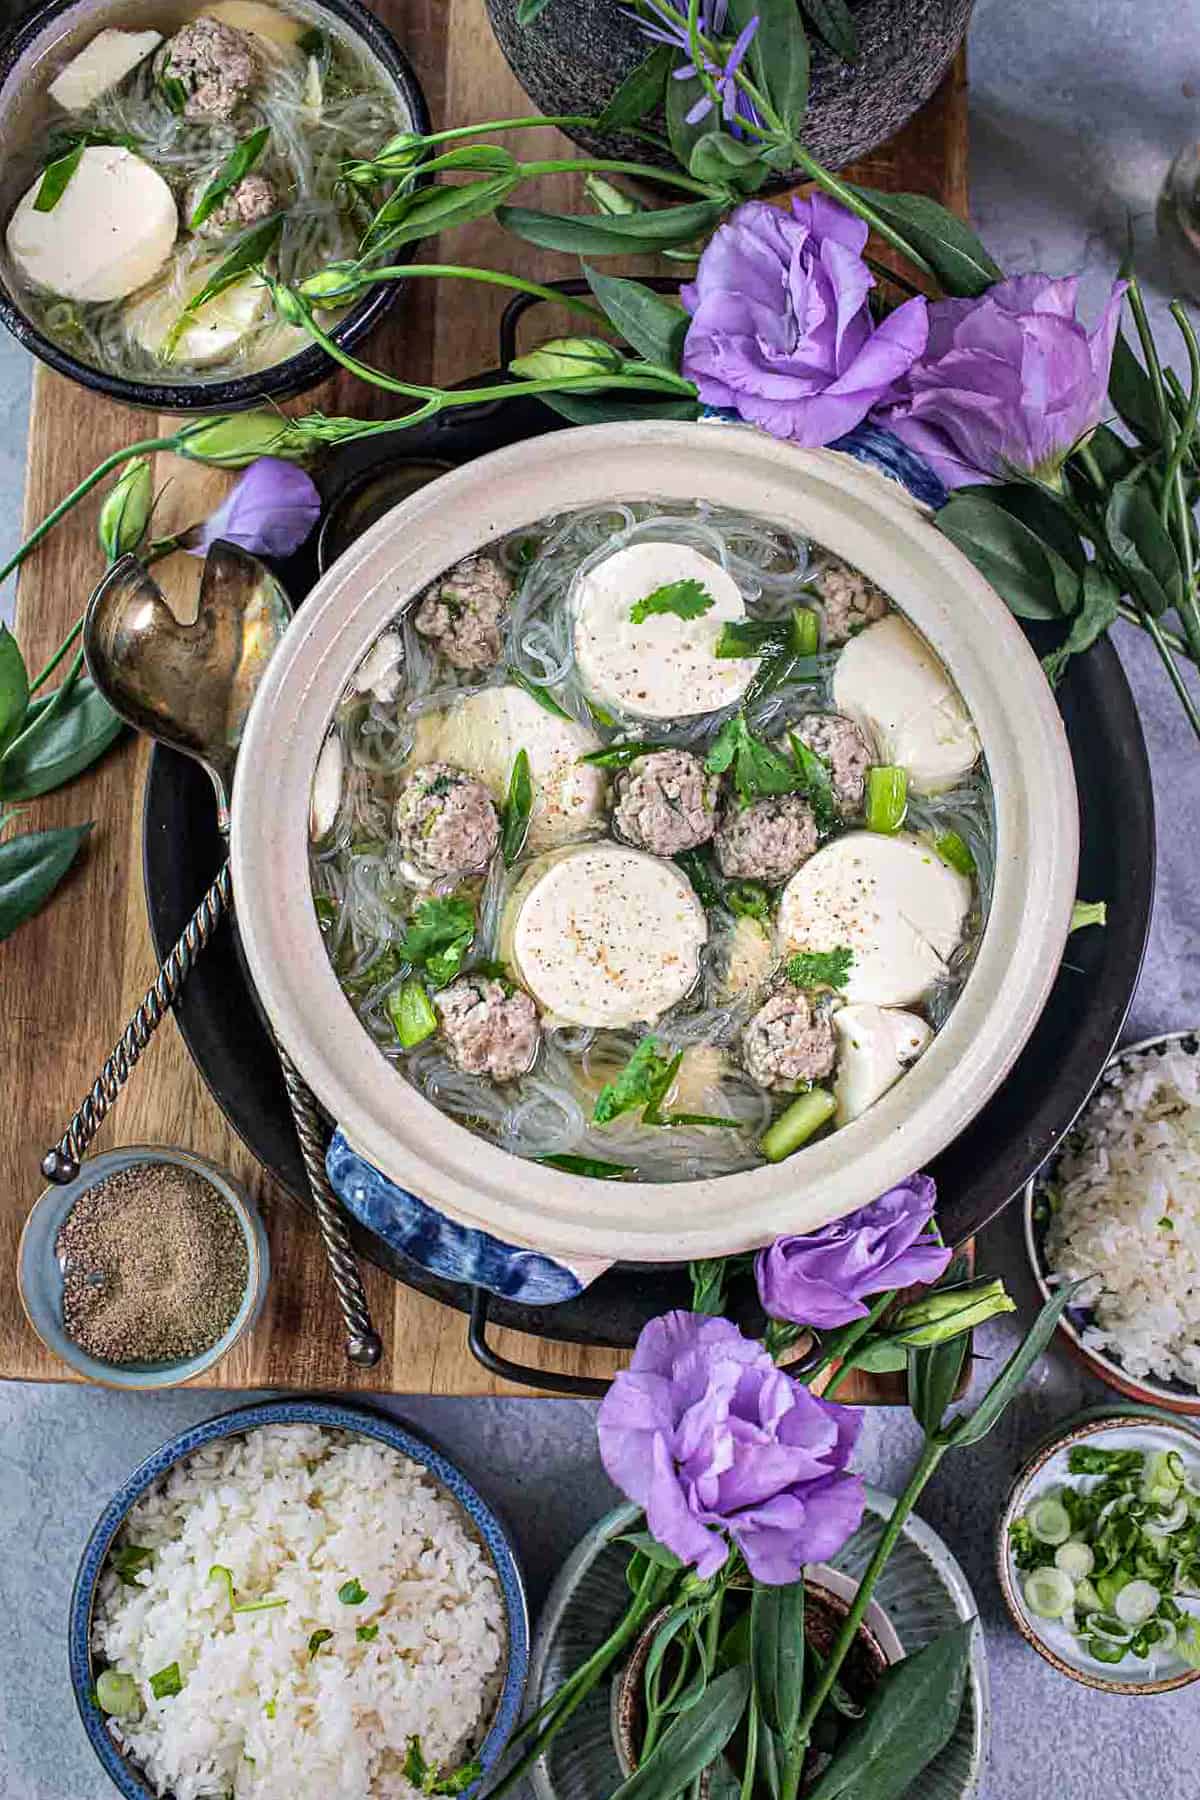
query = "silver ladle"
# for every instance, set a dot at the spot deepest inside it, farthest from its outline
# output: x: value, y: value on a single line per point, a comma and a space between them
x: 190, y: 687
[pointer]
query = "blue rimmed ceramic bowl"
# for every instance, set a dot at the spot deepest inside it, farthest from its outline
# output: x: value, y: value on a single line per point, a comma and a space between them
x: 40, y: 1278
x: 334, y: 1417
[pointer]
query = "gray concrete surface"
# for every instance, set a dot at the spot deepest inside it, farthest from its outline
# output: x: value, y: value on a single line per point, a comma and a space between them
x: 1076, y: 111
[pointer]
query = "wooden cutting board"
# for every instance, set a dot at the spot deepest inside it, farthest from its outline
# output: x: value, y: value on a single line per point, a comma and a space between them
x: 70, y: 977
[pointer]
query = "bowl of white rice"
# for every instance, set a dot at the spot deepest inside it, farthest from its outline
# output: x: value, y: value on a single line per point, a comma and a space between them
x: 1118, y: 1208
x: 298, y: 1598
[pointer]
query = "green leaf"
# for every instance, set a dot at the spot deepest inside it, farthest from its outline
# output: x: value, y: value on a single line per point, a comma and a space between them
x: 128, y: 1562
x: 589, y: 235
x: 653, y: 325
x: 536, y: 691
x: 438, y: 936
x: 640, y: 92
x: 366, y: 1634
x: 455, y: 1781
x: 708, y: 1276
x: 1131, y: 392
x: 433, y: 209
x: 777, y: 1653
x: 592, y: 1166
x: 634, y: 1086
x: 529, y: 10
x: 1142, y: 545
x: 820, y: 968
x: 758, y: 771
x: 235, y: 168
x: 352, y: 1593
x: 54, y: 181
x: 31, y: 867
x: 57, y: 742
x: 969, y: 1428
x: 1045, y: 516
x: 686, y: 599
x: 681, y: 97
x: 1006, y: 552
x: 619, y: 756
x: 910, y: 1715
x: 933, y: 1375
x: 724, y: 162
x: 951, y: 248
x: 166, y: 1682
x: 1113, y: 456
x: 249, y: 252
x: 1100, y: 609
x: 14, y: 687
x: 604, y: 409
x: 518, y: 806
x: 815, y: 782
x: 831, y: 20
x: 878, y: 1356
x: 778, y: 55
x: 173, y: 92
x: 693, y: 1741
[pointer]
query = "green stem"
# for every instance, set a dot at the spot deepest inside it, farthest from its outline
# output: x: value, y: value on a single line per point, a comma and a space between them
x: 564, y: 121
x: 1173, y: 483
x: 848, y: 1344
x: 492, y: 277
x: 930, y: 1457
x: 78, y: 493
x: 1173, y: 670
x: 847, y: 196
x: 50, y: 667
x: 748, y: 1773
x: 1172, y: 638
x: 596, y: 165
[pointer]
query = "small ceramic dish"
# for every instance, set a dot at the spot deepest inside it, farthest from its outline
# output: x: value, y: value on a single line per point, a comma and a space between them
x: 1177, y: 1396
x: 40, y: 1278
x: 921, y: 1593
x: 1121, y: 1428
x: 495, y: 1540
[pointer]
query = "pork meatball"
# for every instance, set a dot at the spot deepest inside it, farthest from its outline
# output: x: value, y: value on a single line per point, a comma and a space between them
x: 445, y: 822
x: 488, y: 1031
x: 786, y: 1043
x: 461, y: 612
x: 841, y: 745
x: 215, y: 64
x: 252, y: 199
x: 850, y: 602
x: 665, y: 803
x: 767, y: 841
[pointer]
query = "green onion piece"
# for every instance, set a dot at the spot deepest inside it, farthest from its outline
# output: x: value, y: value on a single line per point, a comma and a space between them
x: 619, y: 756
x: 270, y: 1709
x: 117, y: 1694
x: 751, y: 637
x: 366, y: 1634
x: 1075, y: 1559
x: 457, y: 1781
x: 173, y: 92
x: 235, y: 168
x: 1048, y: 1593
x: 747, y: 900
x: 166, y: 1682
x: 1088, y: 912
x: 1049, y: 1521
x: 953, y: 850
x: 415, y: 1767
x: 316, y: 1640
x: 518, y: 808
x: 536, y: 691
x: 128, y: 1562
x: 54, y: 181
x: 593, y: 1166
x: 352, y: 1593
x: 250, y: 252
x: 1103, y: 1651
x: 793, y: 1128
x: 806, y: 632
x: 411, y: 1012
x: 887, y: 798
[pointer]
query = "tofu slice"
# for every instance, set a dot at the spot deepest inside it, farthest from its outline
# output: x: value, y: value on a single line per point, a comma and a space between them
x: 890, y: 682
x: 890, y: 900
x: 260, y: 20
x: 214, y: 330
x: 875, y: 1046
x: 326, y: 794
x: 99, y: 66
x: 664, y: 666
x: 605, y: 935
x: 110, y: 233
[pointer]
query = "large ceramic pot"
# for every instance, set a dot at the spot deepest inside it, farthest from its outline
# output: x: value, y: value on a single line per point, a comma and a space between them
x: 573, y: 57
x: 861, y: 517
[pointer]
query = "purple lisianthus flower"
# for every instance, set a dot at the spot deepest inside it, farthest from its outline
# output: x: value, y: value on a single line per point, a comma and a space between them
x: 820, y: 1279
x: 716, y: 1444
x: 1009, y: 382
x: 781, y: 330
x: 269, y: 511
x: 662, y: 28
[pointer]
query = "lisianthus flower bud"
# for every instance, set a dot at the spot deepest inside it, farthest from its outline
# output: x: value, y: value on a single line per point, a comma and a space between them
x: 232, y: 440
x: 126, y: 512
x: 334, y: 282
x: 565, y: 357
x: 947, y: 1312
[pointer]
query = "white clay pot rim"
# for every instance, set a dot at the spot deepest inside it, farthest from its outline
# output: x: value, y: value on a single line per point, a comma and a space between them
x: 856, y: 514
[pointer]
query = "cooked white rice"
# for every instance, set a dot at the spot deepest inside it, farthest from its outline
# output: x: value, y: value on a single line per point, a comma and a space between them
x: 296, y: 1512
x: 1126, y: 1212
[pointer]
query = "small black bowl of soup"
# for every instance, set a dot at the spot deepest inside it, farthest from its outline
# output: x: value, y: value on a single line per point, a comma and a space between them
x: 148, y: 146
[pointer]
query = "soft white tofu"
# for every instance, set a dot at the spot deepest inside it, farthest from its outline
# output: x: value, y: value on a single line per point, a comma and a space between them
x: 99, y: 66
x: 606, y: 935
x: 891, y: 900
x: 663, y: 667
x: 214, y: 331
x: 890, y: 682
x: 875, y: 1046
x: 379, y: 671
x: 110, y: 233
x: 483, y: 734
x: 326, y: 794
x: 259, y: 20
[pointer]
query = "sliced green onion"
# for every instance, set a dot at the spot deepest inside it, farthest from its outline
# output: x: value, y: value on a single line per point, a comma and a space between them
x: 518, y: 808
x: 117, y: 1694
x: 1170, y: 1521
x: 806, y: 632
x: 793, y: 1128
x: 593, y: 1166
x: 1075, y: 1559
x: 751, y: 637
x: 235, y: 168
x: 1049, y: 1593
x: 166, y: 1682
x: 1108, y: 1628
x: 1103, y: 1651
x: 887, y: 798
x: 411, y: 1012
x: 1137, y: 1603
x: 1086, y: 1597
x: 54, y: 181
x: 953, y: 850
x: 1049, y: 1521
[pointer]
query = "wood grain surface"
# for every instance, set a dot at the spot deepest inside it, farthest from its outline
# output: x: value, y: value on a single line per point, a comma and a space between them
x: 70, y: 977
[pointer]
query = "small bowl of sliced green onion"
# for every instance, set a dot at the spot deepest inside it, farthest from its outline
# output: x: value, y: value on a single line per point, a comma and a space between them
x: 1099, y: 1551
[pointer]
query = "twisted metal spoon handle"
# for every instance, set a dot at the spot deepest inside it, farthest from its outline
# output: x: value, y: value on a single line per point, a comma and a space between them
x: 61, y: 1164
x: 363, y: 1344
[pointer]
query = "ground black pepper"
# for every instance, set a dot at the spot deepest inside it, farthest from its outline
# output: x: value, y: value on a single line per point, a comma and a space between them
x: 154, y: 1265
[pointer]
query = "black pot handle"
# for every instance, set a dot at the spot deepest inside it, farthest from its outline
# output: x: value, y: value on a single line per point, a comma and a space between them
x: 519, y: 305
x: 582, y: 1387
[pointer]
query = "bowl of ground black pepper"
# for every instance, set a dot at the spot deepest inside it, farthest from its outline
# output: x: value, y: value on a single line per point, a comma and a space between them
x: 145, y: 1270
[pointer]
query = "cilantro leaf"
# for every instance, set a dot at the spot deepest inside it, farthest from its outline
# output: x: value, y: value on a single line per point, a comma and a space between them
x: 687, y: 599
x: 415, y: 1766
x: 637, y: 1084
x: 366, y: 1634
x: 438, y: 937
x: 820, y: 968
x: 316, y: 1640
x: 352, y: 1593
x: 758, y: 771
x: 748, y: 900
x: 457, y: 1781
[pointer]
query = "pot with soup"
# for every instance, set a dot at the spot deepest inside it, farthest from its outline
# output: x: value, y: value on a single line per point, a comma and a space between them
x: 156, y: 155
x: 659, y: 839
